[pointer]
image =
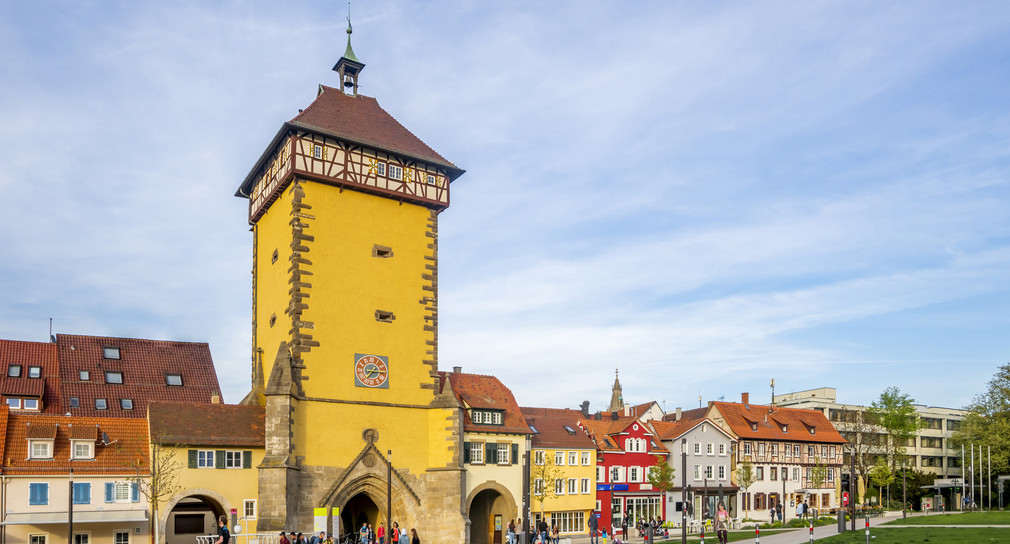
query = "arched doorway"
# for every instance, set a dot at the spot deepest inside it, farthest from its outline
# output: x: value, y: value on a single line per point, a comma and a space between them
x: 357, y: 510
x: 191, y: 516
x: 489, y: 514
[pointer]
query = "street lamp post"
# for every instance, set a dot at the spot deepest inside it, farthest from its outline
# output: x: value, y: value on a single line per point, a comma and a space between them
x: 683, y: 491
x: 389, y: 494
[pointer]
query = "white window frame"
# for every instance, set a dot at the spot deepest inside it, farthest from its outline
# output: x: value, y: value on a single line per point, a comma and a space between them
x: 84, y: 375
x: 615, y: 475
x: 38, y: 538
x: 395, y: 171
x: 504, y: 453
x: 586, y: 459
x: 380, y: 168
x: 85, y: 534
x: 14, y: 403
x: 89, y: 446
x: 573, y: 458
x: 36, y: 370
x: 246, y: 507
x: 559, y: 458
x: 205, y: 459
x: 722, y: 472
x: 559, y: 486
x: 585, y: 486
x: 697, y: 473
x: 538, y: 486
x: 233, y: 459
x: 122, y: 492
x: 30, y: 404
x: 697, y: 448
x: 709, y: 472
x: 45, y: 452
x: 539, y: 457
x: 115, y: 537
x: 573, y: 486
x: 633, y: 473
x: 710, y: 448
x: 601, y: 475
x: 476, y: 453
x: 746, y: 448
x: 722, y: 449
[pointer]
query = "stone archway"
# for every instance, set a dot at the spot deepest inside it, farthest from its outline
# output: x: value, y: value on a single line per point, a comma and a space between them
x: 357, y: 497
x: 193, y: 512
x: 489, y: 507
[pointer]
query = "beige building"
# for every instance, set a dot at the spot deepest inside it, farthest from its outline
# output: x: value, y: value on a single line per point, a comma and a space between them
x: 496, y: 438
x: 929, y: 449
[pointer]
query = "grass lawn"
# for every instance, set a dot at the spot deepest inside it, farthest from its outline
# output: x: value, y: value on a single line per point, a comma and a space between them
x: 921, y: 535
x: 734, y: 536
x: 968, y: 518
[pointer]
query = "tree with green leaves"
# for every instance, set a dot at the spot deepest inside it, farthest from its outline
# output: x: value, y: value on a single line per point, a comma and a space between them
x: 745, y: 477
x: 895, y: 412
x: 661, y: 476
x: 543, y: 477
x: 987, y: 423
x: 818, y: 473
x: 881, y: 474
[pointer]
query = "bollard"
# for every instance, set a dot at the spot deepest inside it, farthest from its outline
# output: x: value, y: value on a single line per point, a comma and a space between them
x: 702, y: 533
x: 867, y: 529
x: 757, y: 535
x: 811, y: 532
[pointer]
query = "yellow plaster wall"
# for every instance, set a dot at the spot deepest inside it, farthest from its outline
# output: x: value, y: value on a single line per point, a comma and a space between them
x: 569, y: 503
x: 234, y: 484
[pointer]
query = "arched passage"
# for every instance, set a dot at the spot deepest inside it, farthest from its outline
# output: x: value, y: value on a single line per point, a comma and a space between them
x: 358, y: 510
x: 191, y: 513
x: 490, y: 507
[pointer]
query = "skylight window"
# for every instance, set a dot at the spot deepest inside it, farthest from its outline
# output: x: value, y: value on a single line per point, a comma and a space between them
x: 14, y: 371
x: 569, y: 429
x: 35, y: 372
x: 110, y: 352
x: 535, y: 431
x: 85, y: 375
x: 75, y: 402
x: 126, y: 404
x: 101, y: 404
x: 173, y: 379
x: 113, y: 377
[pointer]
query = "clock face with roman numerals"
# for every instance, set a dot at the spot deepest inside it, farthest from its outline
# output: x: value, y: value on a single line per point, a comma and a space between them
x: 371, y: 371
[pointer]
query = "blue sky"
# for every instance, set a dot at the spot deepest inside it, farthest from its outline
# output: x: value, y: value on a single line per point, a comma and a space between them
x: 707, y: 195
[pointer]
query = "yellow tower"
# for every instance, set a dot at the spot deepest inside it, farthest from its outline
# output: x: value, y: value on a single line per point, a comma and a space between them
x: 344, y: 206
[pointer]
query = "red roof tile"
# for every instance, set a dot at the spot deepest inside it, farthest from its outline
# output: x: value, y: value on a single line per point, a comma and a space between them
x: 26, y: 355
x: 206, y: 425
x: 144, y: 365
x: 696, y: 413
x: 42, y: 430
x: 360, y: 119
x: 127, y: 445
x: 605, y: 432
x: 742, y: 418
x: 479, y: 391
x: 550, y: 424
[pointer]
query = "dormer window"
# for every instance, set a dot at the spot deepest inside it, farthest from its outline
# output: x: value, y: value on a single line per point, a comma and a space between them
x: 486, y: 417
x: 40, y: 449
x: 754, y: 427
x: 785, y: 428
x: 110, y: 352
x: 35, y: 372
x: 30, y: 404
x: 14, y: 371
x: 813, y: 430
x: 83, y: 449
x: 14, y: 403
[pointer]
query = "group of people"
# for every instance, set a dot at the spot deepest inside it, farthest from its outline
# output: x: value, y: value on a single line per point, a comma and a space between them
x: 396, y: 535
x: 297, y: 538
x: 802, y: 510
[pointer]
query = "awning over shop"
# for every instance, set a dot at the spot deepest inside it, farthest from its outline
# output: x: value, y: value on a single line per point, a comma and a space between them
x: 47, y: 518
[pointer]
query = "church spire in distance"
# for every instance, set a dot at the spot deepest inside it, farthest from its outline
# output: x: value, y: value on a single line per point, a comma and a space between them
x: 348, y: 67
x: 616, y: 398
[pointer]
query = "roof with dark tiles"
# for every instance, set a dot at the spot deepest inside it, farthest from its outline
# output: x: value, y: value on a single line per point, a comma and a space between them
x: 206, y: 425
x: 125, y: 453
x: 480, y: 391
x: 696, y: 413
x: 26, y: 355
x: 144, y: 365
x: 551, y: 423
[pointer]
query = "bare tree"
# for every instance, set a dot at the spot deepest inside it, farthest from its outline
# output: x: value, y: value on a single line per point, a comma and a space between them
x: 157, y: 477
x: 543, y: 476
x: 745, y: 477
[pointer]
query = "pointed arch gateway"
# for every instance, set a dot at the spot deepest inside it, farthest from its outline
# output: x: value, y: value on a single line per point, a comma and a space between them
x: 361, y: 492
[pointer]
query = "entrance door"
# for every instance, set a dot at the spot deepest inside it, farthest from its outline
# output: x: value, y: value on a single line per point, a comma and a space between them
x: 496, y: 537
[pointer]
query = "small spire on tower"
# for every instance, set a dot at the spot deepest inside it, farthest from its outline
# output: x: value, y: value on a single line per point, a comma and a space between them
x: 349, y: 66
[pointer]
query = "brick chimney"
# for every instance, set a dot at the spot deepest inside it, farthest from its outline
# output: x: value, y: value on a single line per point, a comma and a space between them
x: 745, y: 399
x: 457, y: 370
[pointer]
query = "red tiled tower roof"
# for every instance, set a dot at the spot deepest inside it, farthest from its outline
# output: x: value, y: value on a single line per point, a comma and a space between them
x: 144, y: 365
x: 206, y: 425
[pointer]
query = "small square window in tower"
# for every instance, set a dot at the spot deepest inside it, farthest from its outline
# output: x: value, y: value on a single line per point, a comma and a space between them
x: 384, y: 316
x: 383, y: 252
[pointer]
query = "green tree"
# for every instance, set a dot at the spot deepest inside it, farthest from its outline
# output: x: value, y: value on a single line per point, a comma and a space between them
x: 987, y: 424
x: 661, y: 476
x: 881, y: 474
x: 895, y: 412
x: 818, y: 473
x: 543, y: 475
x: 745, y: 477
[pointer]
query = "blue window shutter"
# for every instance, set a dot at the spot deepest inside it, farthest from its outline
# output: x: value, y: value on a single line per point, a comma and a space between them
x: 45, y: 493
x: 87, y: 493
x: 34, y: 492
x: 110, y: 491
x: 135, y: 492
